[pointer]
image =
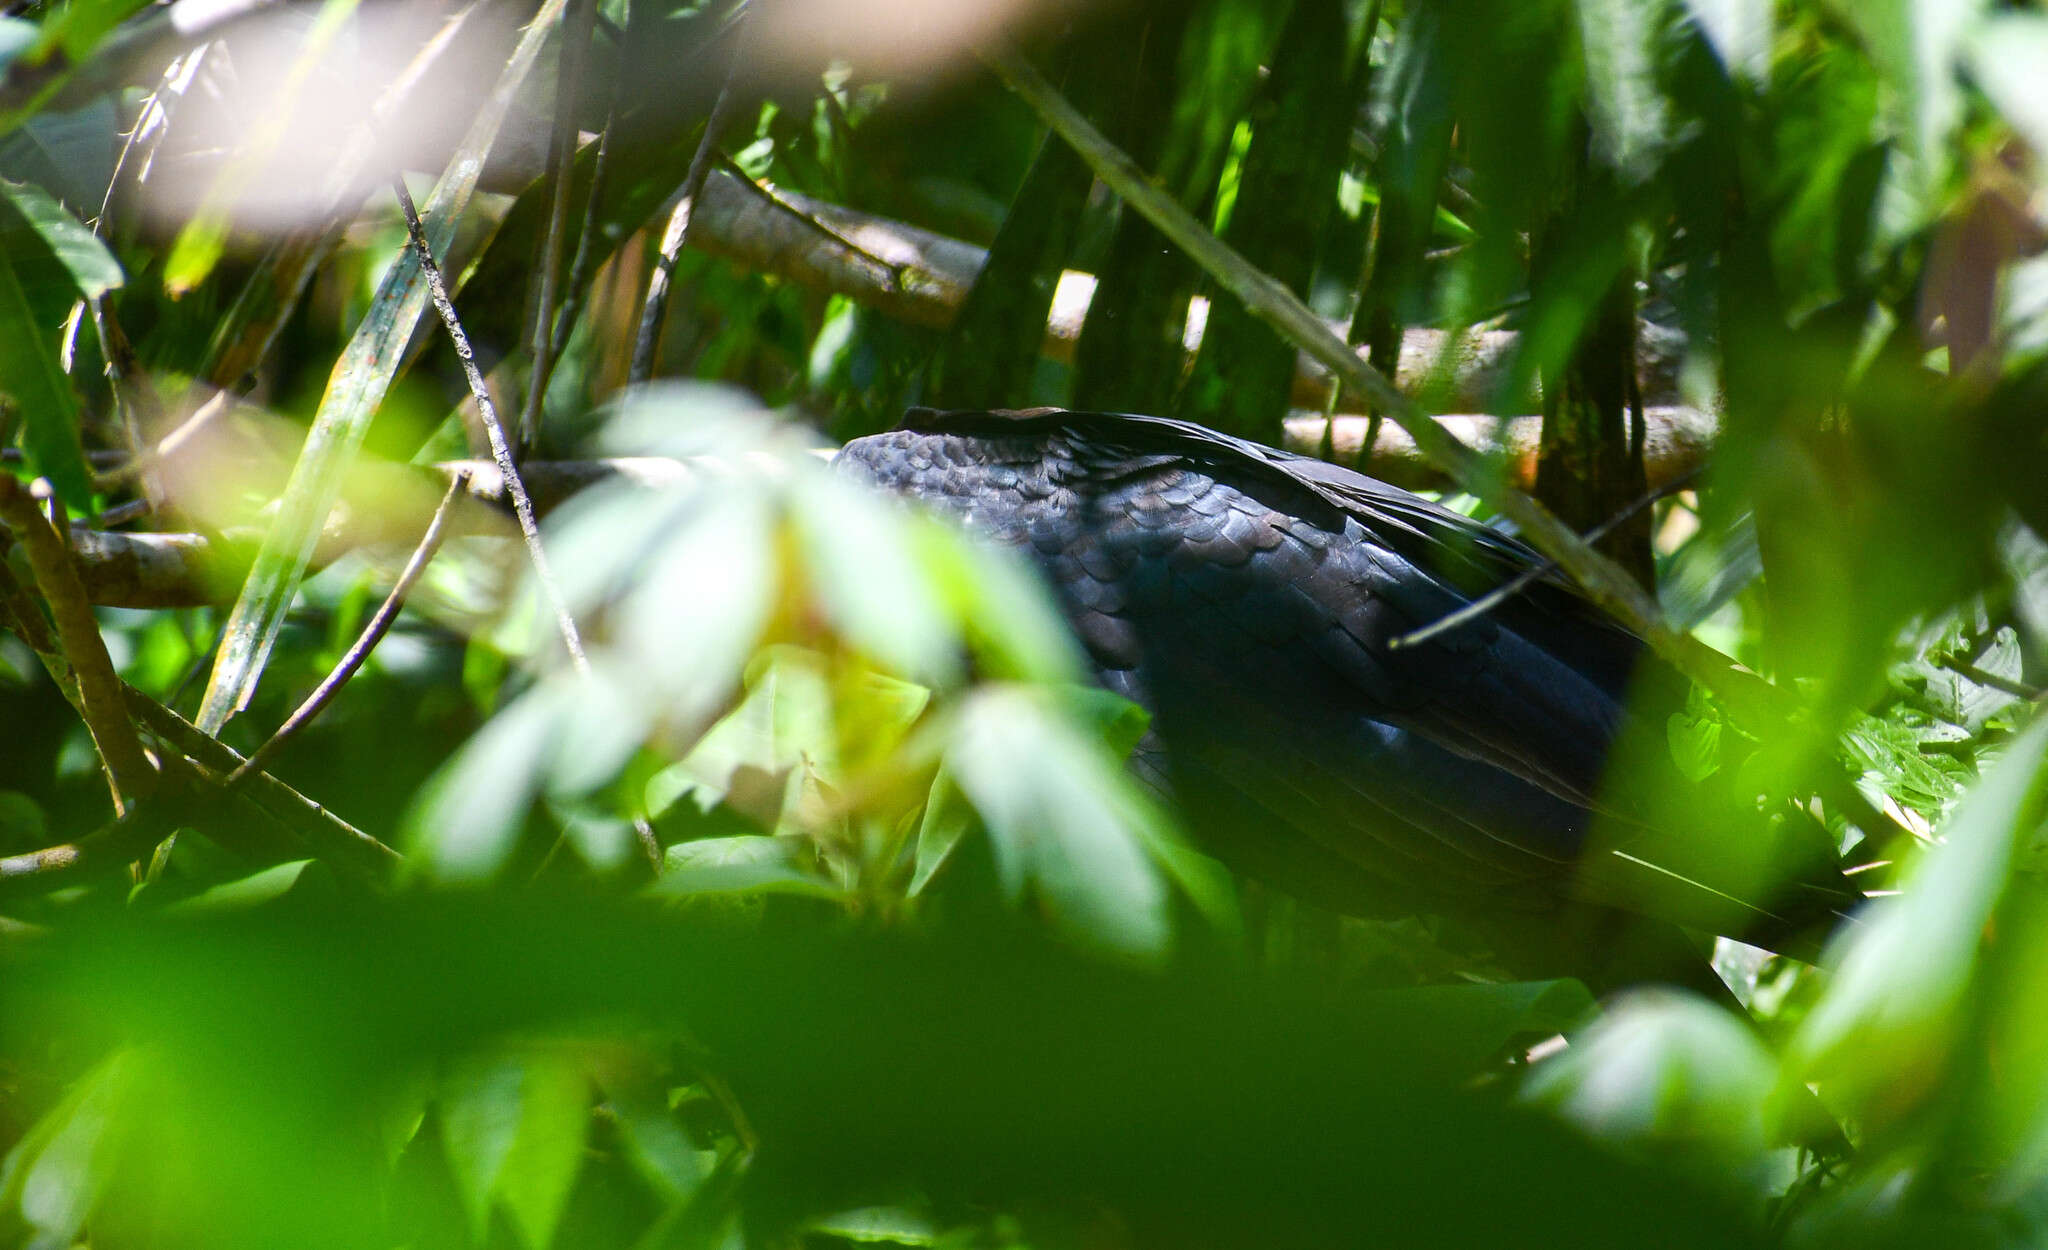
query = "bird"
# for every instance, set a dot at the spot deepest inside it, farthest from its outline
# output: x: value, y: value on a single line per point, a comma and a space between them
x: 1345, y: 706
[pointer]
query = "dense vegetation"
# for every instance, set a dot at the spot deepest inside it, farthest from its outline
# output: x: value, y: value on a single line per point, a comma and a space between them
x: 741, y: 860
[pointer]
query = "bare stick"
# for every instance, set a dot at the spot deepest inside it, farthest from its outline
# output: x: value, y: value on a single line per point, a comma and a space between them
x: 655, y: 311
x: 575, y: 43
x: 130, y: 775
x: 359, y: 651
x: 522, y: 503
x: 106, y: 849
x: 326, y: 834
x: 501, y: 450
x: 1272, y: 302
x: 1530, y: 576
x: 579, y: 267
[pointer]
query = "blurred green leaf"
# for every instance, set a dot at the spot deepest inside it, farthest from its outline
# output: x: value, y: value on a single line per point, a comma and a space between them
x: 749, y: 865
x: 463, y: 824
x: 47, y: 261
x: 947, y: 818
x: 2008, y: 57
x: 1663, y: 1071
x: 71, y: 153
x: 1916, y: 43
x: 480, y: 1113
x: 1630, y: 120
x: 869, y: 580
x: 54, y: 1175
x: 250, y: 891
x: 1062, y: 818
x: 1740, y: 33
x: 660, y: 1150
x: 547, y: 1151
x: 1887, y: 1023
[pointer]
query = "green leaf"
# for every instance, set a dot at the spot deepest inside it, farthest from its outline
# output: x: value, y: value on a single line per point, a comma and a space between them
x: 1740, y: 32
x: 360, y: 379
x: 1916, y: 44
x: 898, y: 1226
x: 1466, y: 1025
x: 947, y: 818
x: 1695, y: 744
x: 1894, y: 1010
x: 251, y: 891
x: 869, y: 580
x: 1661, y: 1068
x: 546, y: 1152
x: 55, y: 1174
x: 2008, y: 58
x: 466, y: 819
x: 69, y: 153
x: 480, y: 1111
x: 660, y: 1151
x: 47, y: 261
x: 1630, y: 119
x: 1062, y: 818
x: 744, y: 865
x: 1002, y: 605
x: 92, y: 268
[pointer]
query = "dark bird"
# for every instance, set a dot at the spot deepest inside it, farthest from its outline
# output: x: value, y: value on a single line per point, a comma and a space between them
x: 1273, y: 613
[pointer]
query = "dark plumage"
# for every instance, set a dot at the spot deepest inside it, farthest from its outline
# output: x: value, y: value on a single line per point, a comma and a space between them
x: 1251, y: 600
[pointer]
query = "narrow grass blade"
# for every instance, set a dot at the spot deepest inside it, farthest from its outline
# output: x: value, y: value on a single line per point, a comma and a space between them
x: 357, y: 386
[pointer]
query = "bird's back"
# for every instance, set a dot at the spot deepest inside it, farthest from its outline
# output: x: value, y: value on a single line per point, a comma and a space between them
x: 1262, y: 606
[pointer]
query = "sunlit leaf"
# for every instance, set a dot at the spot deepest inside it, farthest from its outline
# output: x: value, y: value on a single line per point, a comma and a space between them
x: 947, y: 818
x: 467, y: 818
x: 742, y: 865
x: 1740, y: 32
x: 1916, y: 44
x: 1661, y: 1070
x: 47, y: 262
x: 869, y: 579
x: 1630, y: 120
x: 92, y: 268
x: 1062, y: 820
x: 2008, y: 57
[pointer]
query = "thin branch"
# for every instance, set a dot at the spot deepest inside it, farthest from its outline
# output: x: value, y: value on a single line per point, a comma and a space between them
x: 130, y: 774
x: 1994, y: 681
x: 373, y: 633
x: 586, y: 238
x: 1271, y: 301
x: 893, y: 273
x: 522, y: 503
x: 1528, y: 577
x: 326, y: 834
x: 575, y: 44
x: 655, y: 311
x: 107, y: 849
x: 501, y: 450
